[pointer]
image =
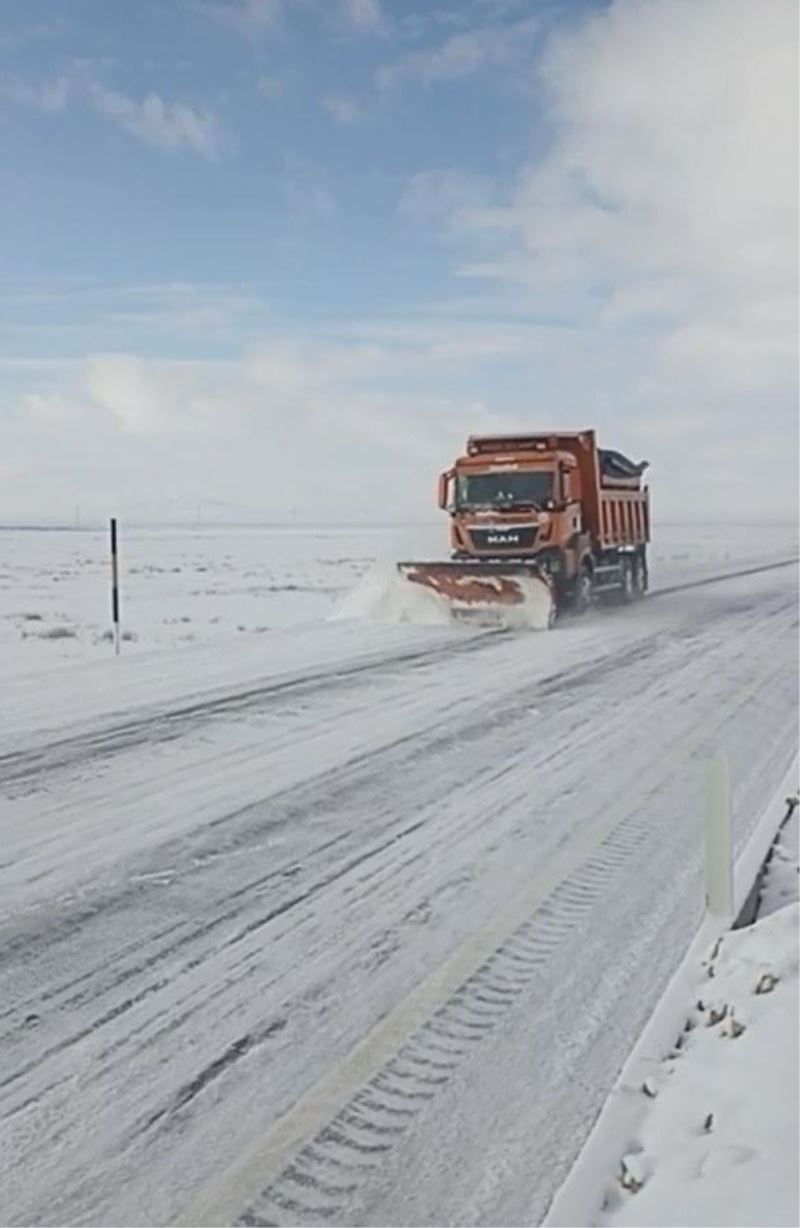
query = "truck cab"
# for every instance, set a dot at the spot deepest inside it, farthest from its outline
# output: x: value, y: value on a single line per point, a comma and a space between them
x: 510, y: 506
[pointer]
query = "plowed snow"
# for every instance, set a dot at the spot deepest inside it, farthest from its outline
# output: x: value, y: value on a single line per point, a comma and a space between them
x: 383, y: 595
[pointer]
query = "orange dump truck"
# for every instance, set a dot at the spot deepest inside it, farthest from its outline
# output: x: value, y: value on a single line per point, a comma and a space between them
x: 544, y: 509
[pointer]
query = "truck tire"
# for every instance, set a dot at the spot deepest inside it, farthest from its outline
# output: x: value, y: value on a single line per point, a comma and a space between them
x: 583, y: 593
x: 640, y: 577
x: 628, y: 592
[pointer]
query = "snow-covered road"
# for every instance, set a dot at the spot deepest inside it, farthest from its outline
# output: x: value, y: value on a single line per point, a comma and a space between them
x: 364, y: 933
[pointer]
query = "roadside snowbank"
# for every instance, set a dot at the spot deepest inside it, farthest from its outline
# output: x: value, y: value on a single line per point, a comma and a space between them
x: 720, y: 1143
x: 653, y: 1136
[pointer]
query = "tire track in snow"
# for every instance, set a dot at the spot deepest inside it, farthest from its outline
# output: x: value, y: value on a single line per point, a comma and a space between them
x: 331, y: 789
x: 331, y: 1169
x: 167, y: 725
x: 355, y: 1143
x: 358, y: 1136
x: 70, y: 995
x: 454, y: 834
x: 399, y: 757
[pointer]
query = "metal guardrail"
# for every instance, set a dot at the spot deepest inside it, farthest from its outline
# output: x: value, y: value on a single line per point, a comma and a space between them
x: 748, y: 912
x: 719, y: 877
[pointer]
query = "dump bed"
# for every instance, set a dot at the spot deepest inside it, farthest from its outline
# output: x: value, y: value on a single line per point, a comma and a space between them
x: 615, y: 506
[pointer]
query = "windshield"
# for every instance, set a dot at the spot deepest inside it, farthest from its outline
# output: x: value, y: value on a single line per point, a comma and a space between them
x: 512, y: 486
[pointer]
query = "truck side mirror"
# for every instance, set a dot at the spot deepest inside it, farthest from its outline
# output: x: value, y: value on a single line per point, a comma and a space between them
x: 445, y: 487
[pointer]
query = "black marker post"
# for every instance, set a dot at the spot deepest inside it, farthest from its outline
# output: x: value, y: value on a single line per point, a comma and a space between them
x: 114, y: 584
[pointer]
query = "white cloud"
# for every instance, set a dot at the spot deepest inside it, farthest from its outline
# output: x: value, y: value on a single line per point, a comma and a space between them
x: 178, y: 311
x: 305, y: 189
x: 664, y: 219
x: 166, y: 125
x: 85, y: 314
x: 249, y: 16
x: 290, y: 367
x: 363, y: 15
x: 49, y: 408
x: 271, y: 86
x: 141, y: 397
x: 444, y: 195
x: 676, y: 151
x: 36, y: 32
x: 260, y: 12
x: 48, y: 96
x: 345, y: 111
x: 373, y: 411
x: 462, y: 54
x: 652, y: 246
x: 369, y: 424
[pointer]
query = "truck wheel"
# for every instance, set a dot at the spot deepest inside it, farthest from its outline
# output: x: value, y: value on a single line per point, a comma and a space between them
x: 639, y: 577
x: 629, y: 569
x: 584, y: 591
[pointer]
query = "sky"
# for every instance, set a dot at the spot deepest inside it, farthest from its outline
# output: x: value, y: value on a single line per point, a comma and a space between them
x: 276, y: 259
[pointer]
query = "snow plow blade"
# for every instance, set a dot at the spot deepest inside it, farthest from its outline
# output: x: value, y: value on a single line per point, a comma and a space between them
x: 510, y: 594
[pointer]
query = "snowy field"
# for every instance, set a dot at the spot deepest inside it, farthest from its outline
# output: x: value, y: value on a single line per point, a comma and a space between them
x: 192, y: 585
x: 338, y: 922
x: 179, y: 586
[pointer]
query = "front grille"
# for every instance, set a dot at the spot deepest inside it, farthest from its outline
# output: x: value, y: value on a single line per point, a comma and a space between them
x: 503, y: 537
